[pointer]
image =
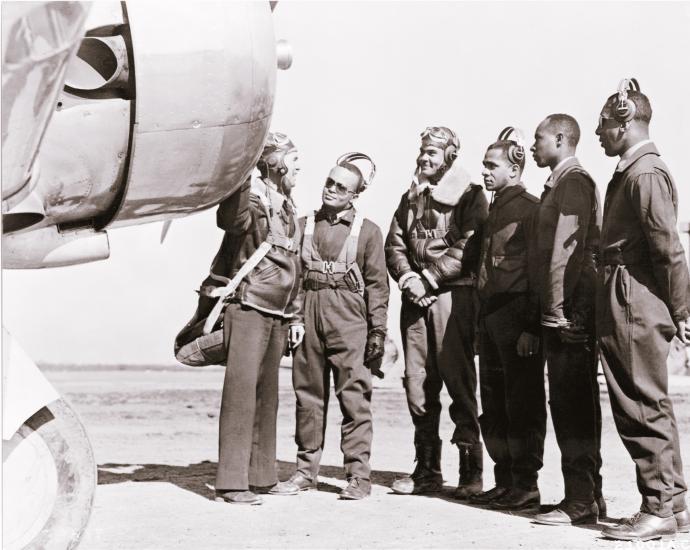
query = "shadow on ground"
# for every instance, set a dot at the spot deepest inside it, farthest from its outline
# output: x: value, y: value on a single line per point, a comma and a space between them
x: 199, y: 478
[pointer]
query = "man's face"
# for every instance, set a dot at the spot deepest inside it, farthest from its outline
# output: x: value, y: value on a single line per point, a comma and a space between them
x: 498, y: 170
x: 611, y: 134
x: 430, y: 161
x: 340, y: 188
x: 544, y: 150
x: 290, y: 178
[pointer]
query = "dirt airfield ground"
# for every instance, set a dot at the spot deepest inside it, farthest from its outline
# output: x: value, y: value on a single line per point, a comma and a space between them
x: 154, y: 434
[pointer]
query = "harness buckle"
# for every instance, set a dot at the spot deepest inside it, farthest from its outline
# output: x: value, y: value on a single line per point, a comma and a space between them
x: 328, y: 267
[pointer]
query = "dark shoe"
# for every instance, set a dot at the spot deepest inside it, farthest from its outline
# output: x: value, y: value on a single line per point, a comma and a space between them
x: 570, y: 512
x: 238, y: 497
x: 471, y: 467
x: 357, y: 489
x: 426, y: 477
x: 642, y: 527
x: 487, y: 497
x: 519, y: 500
x: 601, y: 506
x: 683, y: 521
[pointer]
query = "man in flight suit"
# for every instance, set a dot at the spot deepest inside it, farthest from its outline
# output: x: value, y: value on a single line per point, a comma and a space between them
x: 642, y: 303
x: 428, y: 255
x: 568, y: 229
x: 344, y: 312
x: 511, y: 370
x: 256, y: 320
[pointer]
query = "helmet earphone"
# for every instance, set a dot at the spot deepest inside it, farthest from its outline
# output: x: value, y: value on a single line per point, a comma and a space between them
x: 273, y: 156
x: 625, y: 109
x: 347, y: 158
x: 446, y: 135
x: 516, y: 152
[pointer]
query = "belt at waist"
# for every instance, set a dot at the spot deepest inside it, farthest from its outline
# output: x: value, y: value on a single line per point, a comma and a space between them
x: 429, y: 233
x: 314, y: 284
x: 619, y: 257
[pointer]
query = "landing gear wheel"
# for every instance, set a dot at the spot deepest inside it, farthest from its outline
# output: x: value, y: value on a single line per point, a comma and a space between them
x: 49, y: 475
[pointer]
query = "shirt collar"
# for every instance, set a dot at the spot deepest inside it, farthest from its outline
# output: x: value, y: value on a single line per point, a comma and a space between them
x: 508, y: 193
x: 630, y: 155
x: 345, y: 216
x: 561, y: 167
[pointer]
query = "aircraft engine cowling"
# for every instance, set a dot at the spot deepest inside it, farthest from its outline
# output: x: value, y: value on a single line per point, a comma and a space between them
x: 164, y: 112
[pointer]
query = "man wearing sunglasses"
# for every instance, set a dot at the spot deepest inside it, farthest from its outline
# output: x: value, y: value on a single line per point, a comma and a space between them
x: 430, y: 254
x: 344, y: 312
x: 568, y: 229
x: 642, y: 303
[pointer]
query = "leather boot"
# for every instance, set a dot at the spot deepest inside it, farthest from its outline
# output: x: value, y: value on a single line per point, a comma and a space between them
x: 426, y: 477
x: 471, y: 468
x: 642, y: 527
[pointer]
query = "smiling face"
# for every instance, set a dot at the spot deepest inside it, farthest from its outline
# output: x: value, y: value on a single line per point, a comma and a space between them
x: 544, y: 149
x: 498, y: 171
x: 430, y: 161
x: 340, y: 188
x: 292, y: 165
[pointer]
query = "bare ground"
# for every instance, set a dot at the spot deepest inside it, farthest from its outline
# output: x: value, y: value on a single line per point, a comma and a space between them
x: 154, y: 434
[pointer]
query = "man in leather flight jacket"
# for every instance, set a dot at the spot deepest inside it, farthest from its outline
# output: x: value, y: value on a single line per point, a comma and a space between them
x: 430, y: 254
x: 256, y: 321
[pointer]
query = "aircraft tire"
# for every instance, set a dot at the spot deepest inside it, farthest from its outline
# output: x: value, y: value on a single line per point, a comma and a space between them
x: 49, y: 474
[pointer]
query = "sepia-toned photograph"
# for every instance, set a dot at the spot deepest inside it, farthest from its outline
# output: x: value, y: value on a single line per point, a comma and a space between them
x: 345, y: 274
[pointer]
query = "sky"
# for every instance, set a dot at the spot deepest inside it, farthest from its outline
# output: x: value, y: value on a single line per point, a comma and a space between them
x: 370, y: 76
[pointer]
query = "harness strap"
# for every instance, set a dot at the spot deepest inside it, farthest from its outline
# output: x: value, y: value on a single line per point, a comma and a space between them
x: 332, y: 267
x: 347, y: 256
x: 223, y: 292
x: 281, y: 242
x: 353, y: 239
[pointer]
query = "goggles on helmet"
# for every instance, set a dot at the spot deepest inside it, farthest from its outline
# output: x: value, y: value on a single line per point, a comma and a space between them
x: 278, y: 140
x: 440, y: 136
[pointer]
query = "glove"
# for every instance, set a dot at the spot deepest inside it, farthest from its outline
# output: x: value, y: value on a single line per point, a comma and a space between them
x: 373, y: 354
x: 375, y: 367
x: 375, y: 347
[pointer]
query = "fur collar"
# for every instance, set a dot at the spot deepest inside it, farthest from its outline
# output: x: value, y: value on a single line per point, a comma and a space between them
x: 448, y: 190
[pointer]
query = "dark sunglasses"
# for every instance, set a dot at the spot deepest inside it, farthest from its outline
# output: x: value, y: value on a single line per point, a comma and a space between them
x: 606, y: 123
x: 340, y: 189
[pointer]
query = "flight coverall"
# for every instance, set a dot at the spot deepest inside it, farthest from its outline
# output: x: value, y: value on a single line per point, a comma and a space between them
x: 513, y: 419
x: 568, y: 231
x: 337, y: 320
x: 642, y: 290
x: 255, y: 330
x: 430, y: 237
